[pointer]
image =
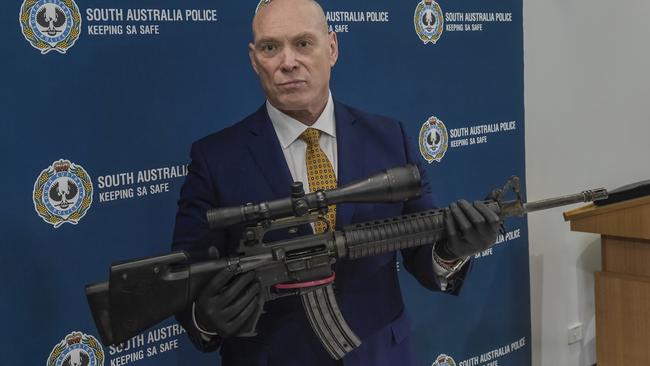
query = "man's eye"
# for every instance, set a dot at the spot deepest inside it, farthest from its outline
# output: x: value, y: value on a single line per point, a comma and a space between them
x: 268, y: 48
x: 303, y: 44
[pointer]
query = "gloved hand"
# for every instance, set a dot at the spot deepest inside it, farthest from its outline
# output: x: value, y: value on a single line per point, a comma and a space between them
x: 227, y: 302
x: 470, y: 229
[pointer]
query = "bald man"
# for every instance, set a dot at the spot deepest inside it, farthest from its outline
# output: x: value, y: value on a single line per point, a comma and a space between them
x: 259, y: 157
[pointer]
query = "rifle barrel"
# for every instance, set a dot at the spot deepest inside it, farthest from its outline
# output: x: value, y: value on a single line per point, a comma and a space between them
x: 584, y: 196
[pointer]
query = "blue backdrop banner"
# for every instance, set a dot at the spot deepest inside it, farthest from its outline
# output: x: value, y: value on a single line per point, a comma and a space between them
x: 101, y: 100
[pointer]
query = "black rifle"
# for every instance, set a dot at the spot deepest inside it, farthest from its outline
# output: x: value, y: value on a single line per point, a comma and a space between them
x: 142, y: 293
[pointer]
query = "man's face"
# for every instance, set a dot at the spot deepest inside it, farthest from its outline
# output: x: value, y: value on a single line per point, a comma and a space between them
x: 293, y: 54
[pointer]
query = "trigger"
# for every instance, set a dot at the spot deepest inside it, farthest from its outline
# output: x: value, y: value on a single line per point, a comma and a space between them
x: 213, y: 252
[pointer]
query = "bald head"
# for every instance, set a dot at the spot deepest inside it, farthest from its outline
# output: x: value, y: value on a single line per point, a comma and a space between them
x: 275, y: 10
x: 293, y: 53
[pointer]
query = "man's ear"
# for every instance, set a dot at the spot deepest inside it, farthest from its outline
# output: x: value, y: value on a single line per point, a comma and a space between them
x: 334, y: 48
x: 251, y: 55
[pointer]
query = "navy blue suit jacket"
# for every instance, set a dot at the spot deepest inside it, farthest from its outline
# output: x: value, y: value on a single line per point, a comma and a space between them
x: 244, y: 163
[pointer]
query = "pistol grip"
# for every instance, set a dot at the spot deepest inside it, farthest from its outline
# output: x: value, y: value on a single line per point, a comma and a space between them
x: 249, y: 329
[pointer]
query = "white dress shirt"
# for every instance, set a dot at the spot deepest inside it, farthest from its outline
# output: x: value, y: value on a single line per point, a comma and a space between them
x: 294, y: 149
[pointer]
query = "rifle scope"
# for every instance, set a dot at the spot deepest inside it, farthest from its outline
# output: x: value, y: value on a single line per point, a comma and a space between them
x: 392, y: 185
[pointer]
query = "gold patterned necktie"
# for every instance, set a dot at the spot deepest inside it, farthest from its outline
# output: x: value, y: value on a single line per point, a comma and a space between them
x: 320, y: 173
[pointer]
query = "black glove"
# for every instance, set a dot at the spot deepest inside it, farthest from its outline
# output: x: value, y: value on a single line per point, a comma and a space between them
x: 470, y: 229
x: 227, y: 302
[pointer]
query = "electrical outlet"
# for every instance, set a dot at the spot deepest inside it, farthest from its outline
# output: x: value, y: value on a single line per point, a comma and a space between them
x: 575, y: 333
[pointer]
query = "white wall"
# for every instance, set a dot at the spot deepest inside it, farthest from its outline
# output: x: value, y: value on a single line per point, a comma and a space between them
x: 587, y: 98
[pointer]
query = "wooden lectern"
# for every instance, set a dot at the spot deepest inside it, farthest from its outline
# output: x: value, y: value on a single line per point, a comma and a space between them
x: 623, y: 285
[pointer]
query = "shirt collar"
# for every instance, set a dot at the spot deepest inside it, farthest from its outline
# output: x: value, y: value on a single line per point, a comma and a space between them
x: 289, y: 129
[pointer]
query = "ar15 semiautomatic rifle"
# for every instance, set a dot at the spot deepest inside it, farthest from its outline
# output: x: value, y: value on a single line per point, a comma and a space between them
x: 142, y: 293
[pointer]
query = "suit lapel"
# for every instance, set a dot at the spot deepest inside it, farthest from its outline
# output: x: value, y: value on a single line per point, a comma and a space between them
x: 350, y: 150
x: 267, y: 154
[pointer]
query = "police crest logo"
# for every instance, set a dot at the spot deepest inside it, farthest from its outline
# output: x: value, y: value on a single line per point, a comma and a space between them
x: 444, y: 360
x: 433, y: 140
x: 63, y: 193
x: 428, y: 21
x: 50, y: 25
x: 77, y: 349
